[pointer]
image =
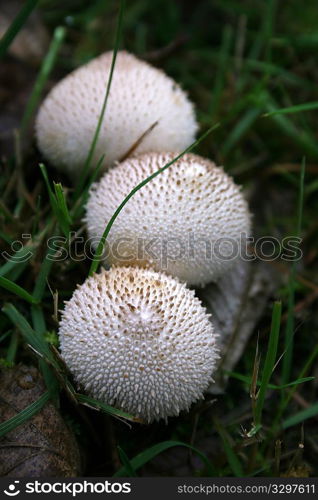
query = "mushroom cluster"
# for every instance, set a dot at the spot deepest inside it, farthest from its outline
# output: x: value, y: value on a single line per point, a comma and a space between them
x: 136, y: 336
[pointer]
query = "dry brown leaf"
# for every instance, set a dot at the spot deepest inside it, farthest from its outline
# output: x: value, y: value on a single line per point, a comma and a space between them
x: 43, y: 445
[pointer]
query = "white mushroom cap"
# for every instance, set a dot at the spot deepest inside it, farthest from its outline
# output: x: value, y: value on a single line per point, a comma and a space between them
x: 189, y: 221
x: 140, y: 95
x: 139, y: 340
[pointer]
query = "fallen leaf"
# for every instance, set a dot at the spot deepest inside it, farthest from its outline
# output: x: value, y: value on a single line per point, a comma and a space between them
x: 41, y: 447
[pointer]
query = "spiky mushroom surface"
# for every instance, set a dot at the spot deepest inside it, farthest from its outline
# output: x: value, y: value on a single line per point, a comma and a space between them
x: 190, y: 221
x: 139, y: 340
x: 140, y: 95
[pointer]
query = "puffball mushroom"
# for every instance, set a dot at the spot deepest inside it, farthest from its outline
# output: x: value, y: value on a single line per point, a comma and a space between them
x: 139, y: 340
x: 190, y: 221
x: 140, y: 95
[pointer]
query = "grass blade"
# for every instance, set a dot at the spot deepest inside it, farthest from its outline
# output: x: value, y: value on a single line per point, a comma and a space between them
x: 24, y: 415
x: 17, y: 290
x: 147, y: 455
x: 100, y: 247
x: 39, y: 325
x: 239, y: 130
x: 289, y: 395
x: 269, y: 361
x: 298, y: 418
x: 19, y: 258
x: 126, y: 463
x: 263, y: 38
x: 232, y: 457
x: 248, y: 380
x: 58, y: 203
x: 36, y: 341
x: 49, y: 189
x: 298, y: 108
x: 303, y: 138
x: 16, y: 25
x: 12, y: 348
x: 42, y: 78
x: 61, y: 202
x: 41, y: 280
x: 227, y: 36
x: 87, y: 164
x: 80, y: 203
x: 290, y: 324
x: 86, y: 400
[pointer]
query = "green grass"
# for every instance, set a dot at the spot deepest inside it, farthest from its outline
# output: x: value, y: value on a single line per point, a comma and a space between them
x: 46, y: 68
x: 85, y: 400
x: 16, y: 25
x: 143, y: 458
x: 87, y: 165
x: 269, y: 363
x: 24, y: 415
x: 58, y: 203
x: 308, y: 106
x: 290, y: 324
x: 248, y: 381
x: 248, y: 66
x: 17, y: 290
x: 300, y: 417
x: 230, y: 452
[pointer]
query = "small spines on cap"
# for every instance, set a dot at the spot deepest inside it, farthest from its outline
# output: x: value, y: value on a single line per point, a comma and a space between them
x: 139, y: 340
